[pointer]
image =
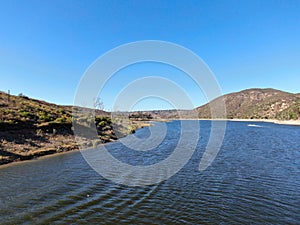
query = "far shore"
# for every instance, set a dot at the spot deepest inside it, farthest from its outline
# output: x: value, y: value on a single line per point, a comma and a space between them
x: 285, y: 122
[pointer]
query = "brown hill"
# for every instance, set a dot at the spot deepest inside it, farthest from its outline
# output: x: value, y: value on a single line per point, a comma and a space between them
x: 30, y: 128
x: 257, y: 104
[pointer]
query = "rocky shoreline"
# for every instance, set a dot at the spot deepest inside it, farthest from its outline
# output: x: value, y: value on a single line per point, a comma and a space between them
x: 20, y: 144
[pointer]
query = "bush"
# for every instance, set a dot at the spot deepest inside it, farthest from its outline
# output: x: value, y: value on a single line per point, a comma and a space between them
x: 132, y: 129
x: 8, y: 111
x: 23, y: 96
x: 106, y: 119
x: 102, y: 121
x: 102, y: 124
x: 28, y: 115
x: 45, y: 117
x: 61, y: 111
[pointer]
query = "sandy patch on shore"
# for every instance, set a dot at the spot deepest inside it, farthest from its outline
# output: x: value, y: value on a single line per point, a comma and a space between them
x: 286, y: 122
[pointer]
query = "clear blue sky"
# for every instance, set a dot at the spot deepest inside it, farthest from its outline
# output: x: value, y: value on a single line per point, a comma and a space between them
x: 45, y: 46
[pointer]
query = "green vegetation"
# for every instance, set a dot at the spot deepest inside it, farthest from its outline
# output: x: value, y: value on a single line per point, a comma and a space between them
x: 290, y: 113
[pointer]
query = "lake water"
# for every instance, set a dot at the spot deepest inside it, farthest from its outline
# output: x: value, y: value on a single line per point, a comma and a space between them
x: 255, y: 179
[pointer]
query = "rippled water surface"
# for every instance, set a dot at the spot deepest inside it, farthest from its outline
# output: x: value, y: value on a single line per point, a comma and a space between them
x: 255, y: 179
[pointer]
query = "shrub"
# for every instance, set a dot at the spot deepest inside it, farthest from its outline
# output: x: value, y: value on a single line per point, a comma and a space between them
x: 10, y: 121
x: 28, y: 115
x: 61, y: 111
x: 23, y: 96
x: 102, y: 124
x: 106, y: 119
x: 8, y: 111
x: 45, y: 117
x: 132, y: 129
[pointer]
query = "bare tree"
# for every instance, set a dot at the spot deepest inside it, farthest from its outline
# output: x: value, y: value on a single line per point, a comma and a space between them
x: 8, y: 96
x: 98, y: 104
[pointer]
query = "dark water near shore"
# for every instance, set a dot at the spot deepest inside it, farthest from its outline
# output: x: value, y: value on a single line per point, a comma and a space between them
x: 255, y: 179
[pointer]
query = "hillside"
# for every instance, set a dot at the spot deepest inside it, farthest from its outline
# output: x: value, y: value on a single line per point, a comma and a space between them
x: 31, y: 128
x: 257, y: 104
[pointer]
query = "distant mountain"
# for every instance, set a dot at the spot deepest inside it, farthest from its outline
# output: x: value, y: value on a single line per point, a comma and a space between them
x: 257, y: 104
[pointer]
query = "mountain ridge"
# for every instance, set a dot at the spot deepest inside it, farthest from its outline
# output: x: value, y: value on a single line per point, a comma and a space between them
x: 257, y: 103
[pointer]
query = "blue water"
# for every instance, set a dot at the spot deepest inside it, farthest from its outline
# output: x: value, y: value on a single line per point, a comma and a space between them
x: 255, y: 179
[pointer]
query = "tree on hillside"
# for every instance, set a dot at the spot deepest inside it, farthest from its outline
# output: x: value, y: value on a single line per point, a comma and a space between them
x: 98, y: 104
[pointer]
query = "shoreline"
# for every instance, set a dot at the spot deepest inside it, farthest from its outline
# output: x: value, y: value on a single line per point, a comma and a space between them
x: 51, y: 154
x: 282, y: 122
x: 34, y: 158
x: 53, y: 151
x: 12, y: 163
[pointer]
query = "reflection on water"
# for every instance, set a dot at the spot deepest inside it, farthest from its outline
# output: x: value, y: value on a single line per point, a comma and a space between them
x: 254, y: 179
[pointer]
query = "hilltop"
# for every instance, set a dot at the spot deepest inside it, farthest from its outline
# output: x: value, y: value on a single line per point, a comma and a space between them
x: 257, y: 104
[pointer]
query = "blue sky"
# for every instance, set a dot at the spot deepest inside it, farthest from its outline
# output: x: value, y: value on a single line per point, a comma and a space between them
x: 46, y: 46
